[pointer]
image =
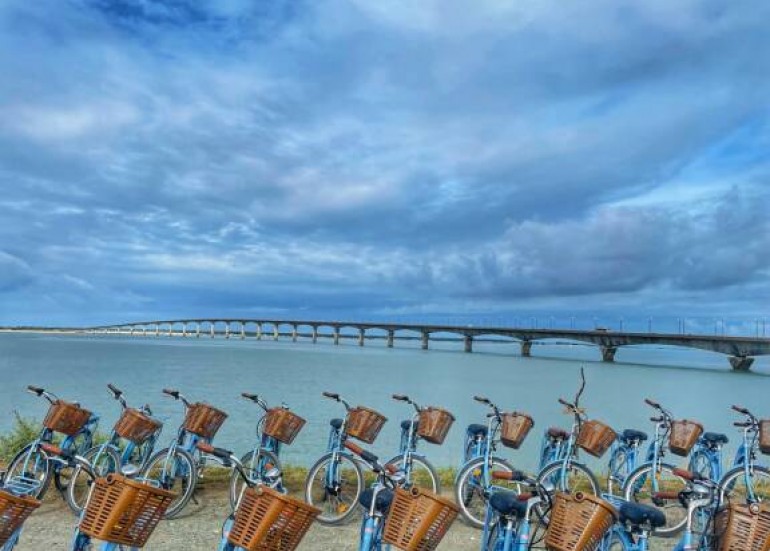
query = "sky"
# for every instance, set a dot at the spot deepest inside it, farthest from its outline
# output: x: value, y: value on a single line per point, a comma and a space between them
x: 442, y: 159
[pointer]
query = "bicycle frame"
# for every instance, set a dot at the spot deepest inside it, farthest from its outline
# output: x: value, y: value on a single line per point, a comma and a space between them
x: 409, y: 439
x: 515, y: 535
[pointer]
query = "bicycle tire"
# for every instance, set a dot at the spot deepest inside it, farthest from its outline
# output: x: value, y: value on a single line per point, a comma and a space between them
x: 673, y: 526
x: 543, y: 480
x: 236, y: 481
x: 467, y: 492
x: 76, y: 501
x: 435, y: 482
x: 188, y: 488
x: 82, y: 442
x: 18, y: 460
x: 701, y: 463
x: 618, y: 469
x: 325, y: 500
x: 727, y: 488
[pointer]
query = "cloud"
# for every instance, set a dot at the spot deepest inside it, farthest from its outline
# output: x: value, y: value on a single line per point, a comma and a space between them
x: 382, y: 156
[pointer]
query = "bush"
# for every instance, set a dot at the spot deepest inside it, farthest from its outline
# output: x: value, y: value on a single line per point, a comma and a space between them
x: 23, y: 432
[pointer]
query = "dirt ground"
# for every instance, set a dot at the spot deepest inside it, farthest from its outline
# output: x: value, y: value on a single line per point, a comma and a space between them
x: 51, y: 527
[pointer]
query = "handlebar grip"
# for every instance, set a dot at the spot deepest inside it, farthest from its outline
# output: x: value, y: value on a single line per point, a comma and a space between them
x: 739, y: 409
x: 35, y: 390
x: 564, y: 402
x: 332, y: 395
x: 741, y: 424
x: 651, y: 403
x: 400, y: 397
x: 170, y: 392
x: 115, y: 390
x: 481, y: 399
x: 248, y: 396
x: 391, y: 468
x: 656, y: 419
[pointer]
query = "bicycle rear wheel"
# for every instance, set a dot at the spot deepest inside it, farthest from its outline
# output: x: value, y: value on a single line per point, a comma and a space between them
x: 334, y: 486
x: 176, y: 472
x: 255, y: 468
x: 424, y: 475
x: 470, y: 488
x: 619, y: 467
x: 659, y: 488
x: 103, y: 461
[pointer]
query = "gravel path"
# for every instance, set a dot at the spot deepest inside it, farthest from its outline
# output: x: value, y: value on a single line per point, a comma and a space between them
x: 50, y: 528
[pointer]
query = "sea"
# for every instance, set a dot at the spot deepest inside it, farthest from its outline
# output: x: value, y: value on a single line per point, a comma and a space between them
x: 692, y: 384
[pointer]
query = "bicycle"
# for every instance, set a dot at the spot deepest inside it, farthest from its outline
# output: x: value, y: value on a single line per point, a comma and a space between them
x: 430, y: 424
x: 410, y: 518
x: 508, y: 525
x: 642, y: 486
x: 278, y: 426
x: 335, y: 481
x: 625, y: 456
x: 473, y: 480
x: 566, y: 473
x: 30, y: 471
x: 126, y: 452
x: 15, y: 508
x: 178, y: 467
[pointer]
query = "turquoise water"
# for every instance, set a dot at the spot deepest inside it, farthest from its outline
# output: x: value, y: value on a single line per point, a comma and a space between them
x: 218, y: 370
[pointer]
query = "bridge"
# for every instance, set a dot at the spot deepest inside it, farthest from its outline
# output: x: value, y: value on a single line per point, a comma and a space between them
x: 741, y: 350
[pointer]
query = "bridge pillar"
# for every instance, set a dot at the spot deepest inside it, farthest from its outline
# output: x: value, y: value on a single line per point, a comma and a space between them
x: 361, y: 336
x: 741, y: 363
x: 144, y: 331
x: 132, y: 330
x: 169, y: 330
x: 227, y: 330
x: 336, y: 335
x: 315, y: 334
x: 468, y: 341
x: 294, y: 332
x: 526, y: 348
x: 211, y: 329
x: 259, y: 331
x: 198, y: 330
x: 275, y: 332
x: 424, y: 340
x: 184, y: 329
x: 157, y: 329
x: 391, y: 337
x: 243, y: 329
x: 608, y: 353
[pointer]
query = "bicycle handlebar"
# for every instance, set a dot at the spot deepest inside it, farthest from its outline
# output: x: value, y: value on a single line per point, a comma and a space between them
x: 331, y: 395
x: 400, y: 397
x: 481, y: 399
x: 252, y: 397
x: 564, y: 402
x: 35, y: 390
x: 170, y: 392
x: 115, y: 390
x: 652, y: 403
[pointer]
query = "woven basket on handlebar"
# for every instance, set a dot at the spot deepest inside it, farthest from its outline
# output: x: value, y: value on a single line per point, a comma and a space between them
x: 418, y: 519
x: 283, y: 425
x: 595, y: 437
x: 267, y: 520
x: 434, y: 424
x: 66, y: 418
x: 515, y: 428
x: 578, y: 522
x: 136, y: 426
x: 764, y: 436
x: 364, y: 424
x: 743, y: 528
x: 124, y: 511
x: 684, y: 434
x: 14, y: 510
x: 204, y: 420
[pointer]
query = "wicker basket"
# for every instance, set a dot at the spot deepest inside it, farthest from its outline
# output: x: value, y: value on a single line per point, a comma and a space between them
x: 764, y: 436
x: 515, y: 428
x: 124, y: 511
x: 66, y: 418
x: 595, y: 437
x: 267, y: 520
x: 743, y: 528
x: 684, y: 435
x: 204, y: 420
x: 135, y: 426
x: 578, y: 522
x: 14, y: 510
x: 434, y: 424
x: 364, y: 424
x: 418, y: 520
x: 283, y: 425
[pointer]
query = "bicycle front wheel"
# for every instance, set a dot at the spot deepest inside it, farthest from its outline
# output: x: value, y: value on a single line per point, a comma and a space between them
x: 556, y: 477
x: 700, y: 463
x: 103, y: 461
x: 30, y: 469
x: 255, y: 467
x: 659, y: 487
x: 740, y: 487
x: 174, y: 471
x: 423, y: 474
x: 471, y: 488
x: 334, y: 486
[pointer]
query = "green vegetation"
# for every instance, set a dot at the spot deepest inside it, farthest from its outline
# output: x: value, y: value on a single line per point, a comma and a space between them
x: 22, y: 433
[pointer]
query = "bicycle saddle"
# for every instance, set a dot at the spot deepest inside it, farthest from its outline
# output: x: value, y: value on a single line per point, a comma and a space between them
x: 405, y: 425
x: 507, y: 504
x: 477, y: 430
x: 629, y: 435
x: 639, y: 515
x: 384, y: 499
x: 715, y: 438
x: 336, y: 423
x: 556, y: 432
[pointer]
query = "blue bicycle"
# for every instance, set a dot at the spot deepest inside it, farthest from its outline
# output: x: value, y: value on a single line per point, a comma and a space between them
x: 508, y: 525
x: 474, y: 479
x: 178, y: 467
x: 30, y: 472
x: 625, y: 456
x: 417, y: 470
x: 126, y: 452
